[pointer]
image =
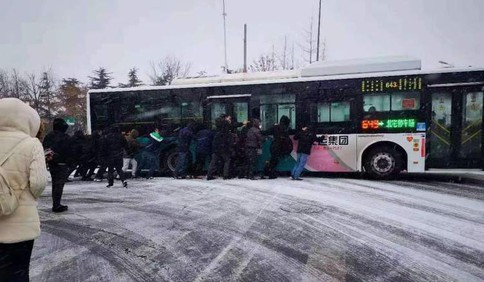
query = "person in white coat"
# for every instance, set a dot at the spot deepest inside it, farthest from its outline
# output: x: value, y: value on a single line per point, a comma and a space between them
x: 27, y: 175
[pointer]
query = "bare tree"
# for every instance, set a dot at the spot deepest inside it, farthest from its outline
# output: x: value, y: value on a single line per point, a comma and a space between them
x: 263, y: 63
x: 309, y: 47
x: 17, y: 85
x: 33, y: 93
x: 283, y: 57
x: 4, y: 84
x: 166, y: 70
x: 39, y: 91
x: 322, y: 50
x: 201, y: 73
x: 294, y: 64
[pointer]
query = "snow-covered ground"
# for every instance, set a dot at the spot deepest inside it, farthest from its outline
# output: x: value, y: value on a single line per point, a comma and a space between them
x: 319, y: 229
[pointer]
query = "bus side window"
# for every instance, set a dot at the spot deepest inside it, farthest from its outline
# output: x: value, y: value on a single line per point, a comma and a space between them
x: 377, y: 103
x: 330, y: 112
x: 371, y: 112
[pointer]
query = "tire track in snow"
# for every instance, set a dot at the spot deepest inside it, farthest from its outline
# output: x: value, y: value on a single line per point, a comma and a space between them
x: 120, y: 251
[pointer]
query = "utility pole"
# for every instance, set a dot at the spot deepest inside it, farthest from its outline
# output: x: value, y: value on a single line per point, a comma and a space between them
x: 245, y: 47
x: 319, y: 31
x: 224, y: 14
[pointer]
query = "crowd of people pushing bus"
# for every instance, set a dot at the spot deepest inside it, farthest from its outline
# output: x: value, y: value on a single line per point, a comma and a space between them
x: 231, y: 150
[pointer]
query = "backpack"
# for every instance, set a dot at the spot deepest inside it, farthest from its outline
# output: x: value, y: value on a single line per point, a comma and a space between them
x: 8, y: 199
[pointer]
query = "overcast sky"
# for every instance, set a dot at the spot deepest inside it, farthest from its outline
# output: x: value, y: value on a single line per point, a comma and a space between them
x: 75, y: 37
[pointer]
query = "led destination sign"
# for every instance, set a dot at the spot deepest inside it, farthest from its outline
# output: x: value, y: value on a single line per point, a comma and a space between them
x: 388, y: 123
x: 395, y: 84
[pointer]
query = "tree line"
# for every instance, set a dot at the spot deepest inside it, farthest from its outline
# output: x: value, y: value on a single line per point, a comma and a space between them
x: 66, y: 97
x: 49, y: 97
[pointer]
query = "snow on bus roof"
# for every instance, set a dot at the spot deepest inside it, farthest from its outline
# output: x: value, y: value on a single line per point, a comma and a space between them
x: 368, y: 65
x: 319, y: 71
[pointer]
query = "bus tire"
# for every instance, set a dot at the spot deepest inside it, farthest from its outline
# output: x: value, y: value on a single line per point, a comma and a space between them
x: 383, y: 163
x: 169, y: 161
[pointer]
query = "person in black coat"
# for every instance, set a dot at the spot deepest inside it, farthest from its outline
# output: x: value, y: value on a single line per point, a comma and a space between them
x: 184, y: 140
x: 281, y: 145
x: 150, y: 153
x: 306, y: 139
x: 240, y: 158
x: 130, y: 152
x: 101, y: 155
x: 114, y: 145
x: 204, y: 138
x: 77, y: 143
x: 89, y: 157
x: 253, y: 146
x: 222, y: 149
x: 58, y: 142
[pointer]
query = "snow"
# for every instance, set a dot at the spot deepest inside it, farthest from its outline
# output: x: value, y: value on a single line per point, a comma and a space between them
x: 367, y: 65
x: 319, y: 229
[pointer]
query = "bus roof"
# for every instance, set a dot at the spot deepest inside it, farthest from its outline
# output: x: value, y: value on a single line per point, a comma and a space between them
x: 325, y: 70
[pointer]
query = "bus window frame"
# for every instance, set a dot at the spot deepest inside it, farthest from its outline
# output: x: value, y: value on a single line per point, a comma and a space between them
x: 330, y: 93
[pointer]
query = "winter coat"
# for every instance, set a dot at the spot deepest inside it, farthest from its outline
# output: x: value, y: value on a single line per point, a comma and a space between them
x: 280, y: 132
x: 243, y: 134
x: 254, y: 136
x: 306, y: 140
x: 77, y: 143
x: 99, y: 142
x: 59, y: 142
x: 204, y: 141
x: 114, y: 145
x: 89, y: 154
x: 223, y: 140
x: 153, y: 146
x: 25, y: 169
x: 185, y: 139
x: 133, y: 145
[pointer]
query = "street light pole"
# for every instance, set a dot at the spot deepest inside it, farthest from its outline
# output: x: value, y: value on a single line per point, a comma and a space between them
x: 224, y: 14
x: 319, y: 31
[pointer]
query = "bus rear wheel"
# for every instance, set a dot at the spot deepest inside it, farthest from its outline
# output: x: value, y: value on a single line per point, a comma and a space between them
x: 169, y: 161
x: 383, y: 163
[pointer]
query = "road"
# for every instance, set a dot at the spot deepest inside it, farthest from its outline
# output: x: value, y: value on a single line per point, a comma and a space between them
x: 319, y: 229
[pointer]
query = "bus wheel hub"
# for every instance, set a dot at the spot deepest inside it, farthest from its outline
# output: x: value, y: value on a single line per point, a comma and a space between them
x: 383, y: 163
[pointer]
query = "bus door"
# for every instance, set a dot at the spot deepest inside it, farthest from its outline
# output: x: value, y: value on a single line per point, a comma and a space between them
x: 273, y: 107
x: 456, y: 127
x: 236, y: 106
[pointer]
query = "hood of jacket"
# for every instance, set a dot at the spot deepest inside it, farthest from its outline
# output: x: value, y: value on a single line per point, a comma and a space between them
x: 156, y: 136
x: 256, y: 123
x: 16, y: 116
x: 134, y: 133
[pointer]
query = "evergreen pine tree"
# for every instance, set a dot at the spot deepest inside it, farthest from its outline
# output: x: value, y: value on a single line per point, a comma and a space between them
x: 133, y: 78
x: 101, y: 80
x: 47, y: 94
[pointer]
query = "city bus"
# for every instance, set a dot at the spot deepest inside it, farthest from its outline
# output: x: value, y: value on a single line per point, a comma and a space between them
x: 378, y: 116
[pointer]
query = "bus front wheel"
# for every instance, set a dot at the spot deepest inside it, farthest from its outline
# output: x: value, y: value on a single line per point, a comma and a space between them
x: 383, y: 163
